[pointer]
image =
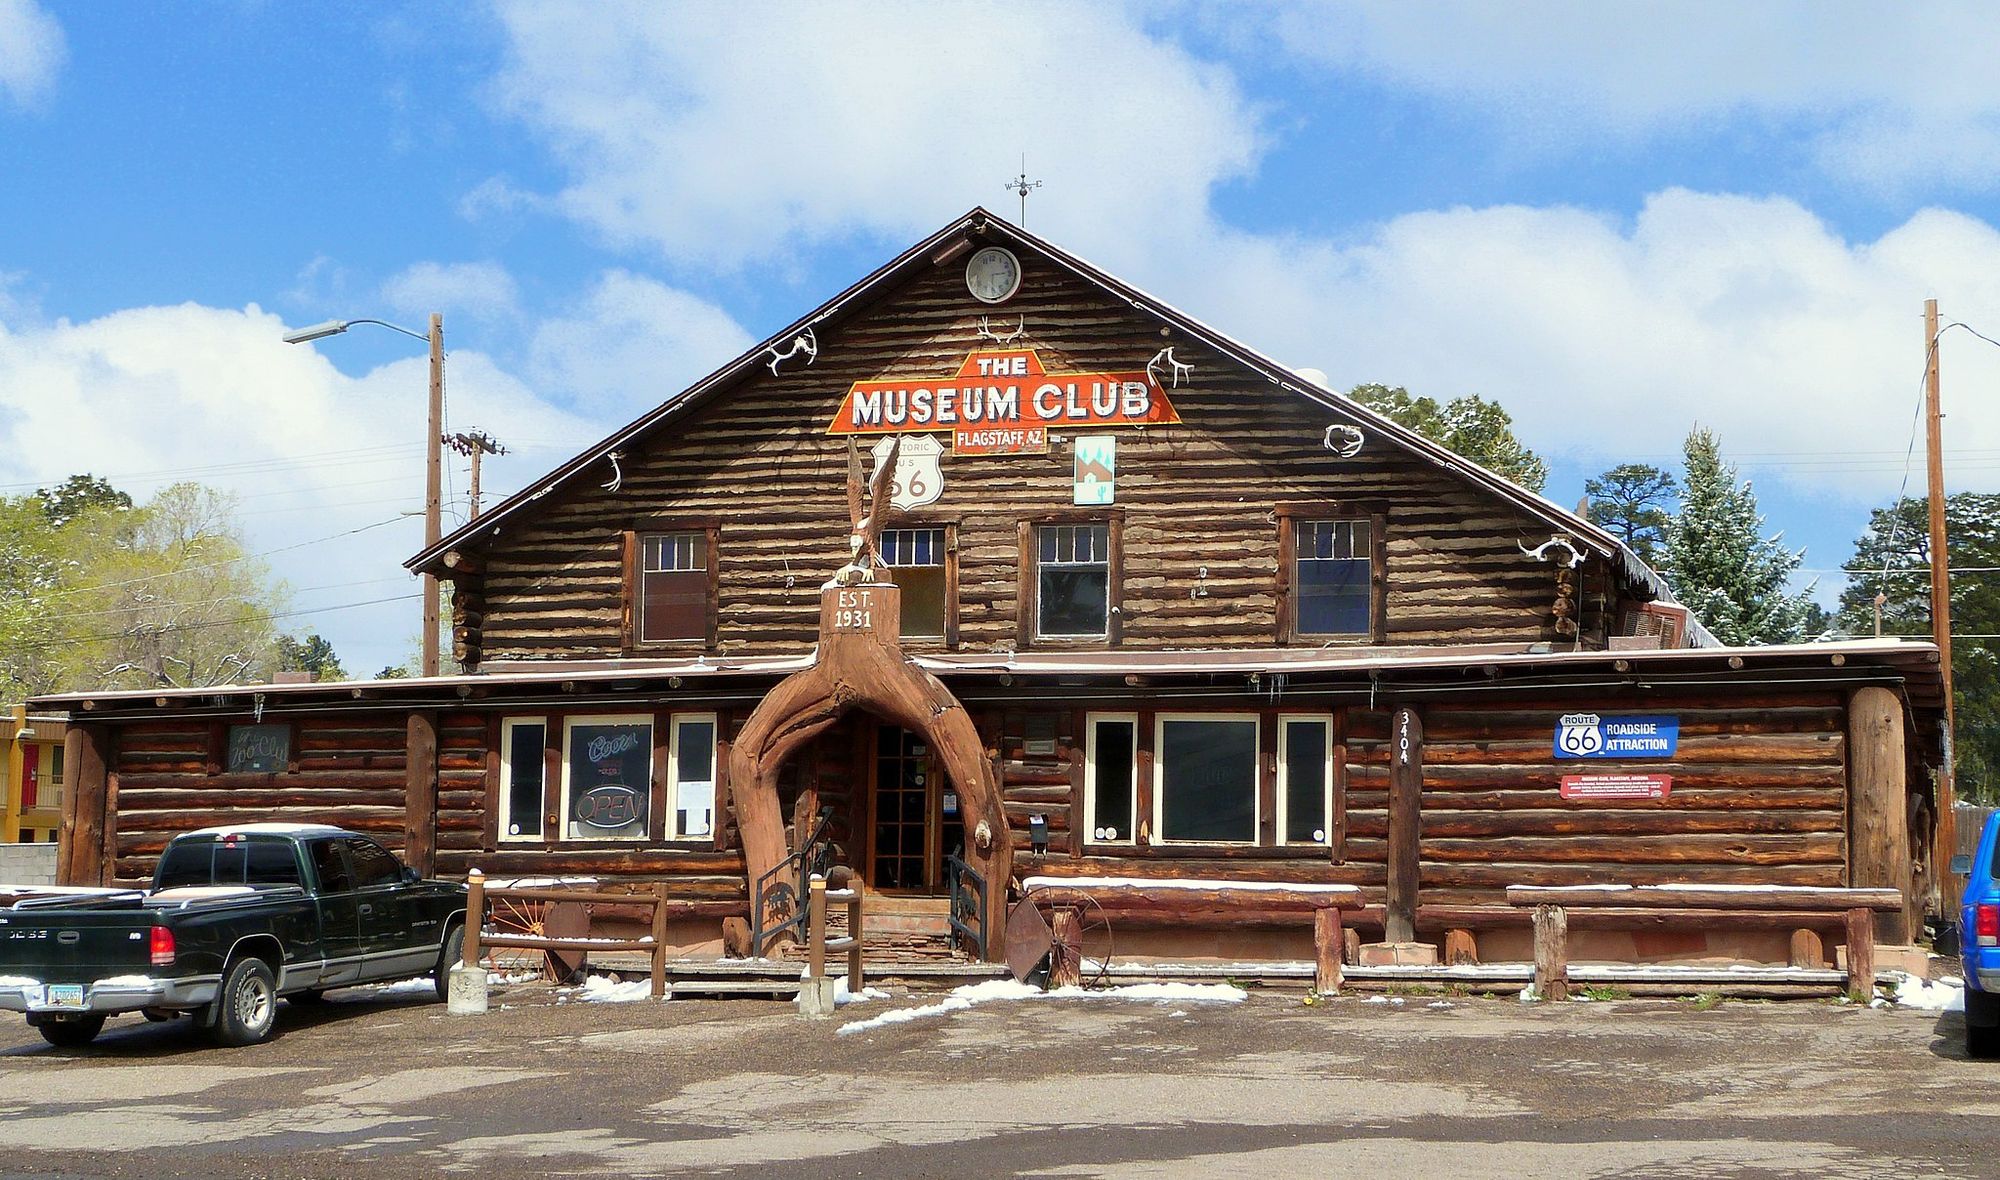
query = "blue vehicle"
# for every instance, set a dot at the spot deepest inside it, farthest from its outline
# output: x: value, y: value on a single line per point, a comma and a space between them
x: 1979, y: 944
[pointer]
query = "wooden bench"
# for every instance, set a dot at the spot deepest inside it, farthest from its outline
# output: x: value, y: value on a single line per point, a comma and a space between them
x: 1805, y: 910
x: 1173, y: 902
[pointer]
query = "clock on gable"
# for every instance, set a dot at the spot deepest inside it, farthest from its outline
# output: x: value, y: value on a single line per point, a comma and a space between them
x: 993, y: 275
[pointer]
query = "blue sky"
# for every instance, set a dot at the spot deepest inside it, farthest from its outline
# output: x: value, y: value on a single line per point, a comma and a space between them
x: 1616, y: 221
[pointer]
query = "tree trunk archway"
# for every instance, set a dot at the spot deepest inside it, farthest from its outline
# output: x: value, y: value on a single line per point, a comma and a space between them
x: 861, y: 665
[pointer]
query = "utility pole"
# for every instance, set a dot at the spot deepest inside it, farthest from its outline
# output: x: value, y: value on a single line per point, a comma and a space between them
x: 434, y: 491
x: 474, y: 444
x: 1947, y: 824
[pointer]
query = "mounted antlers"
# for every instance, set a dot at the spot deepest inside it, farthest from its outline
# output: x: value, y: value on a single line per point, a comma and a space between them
x: 804, y: 342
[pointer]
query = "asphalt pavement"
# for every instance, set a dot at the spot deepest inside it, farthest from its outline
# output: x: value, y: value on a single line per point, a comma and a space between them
x: 544, y: 1085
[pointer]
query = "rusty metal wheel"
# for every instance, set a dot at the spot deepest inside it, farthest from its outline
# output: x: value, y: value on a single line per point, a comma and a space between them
x: 533, y: 919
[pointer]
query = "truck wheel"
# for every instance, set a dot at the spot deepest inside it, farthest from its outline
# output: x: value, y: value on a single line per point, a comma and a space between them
x: 1982, y: 1024
x: 73, y: 1033
x: 452, y: 954
x: 247, y: 1005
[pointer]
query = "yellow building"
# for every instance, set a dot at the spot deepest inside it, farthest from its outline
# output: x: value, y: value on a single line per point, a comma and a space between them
x: 34, y: 752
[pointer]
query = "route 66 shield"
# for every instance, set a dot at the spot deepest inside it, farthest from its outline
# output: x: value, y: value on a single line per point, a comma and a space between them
x: 1578, y: 735
x: 918, y: 479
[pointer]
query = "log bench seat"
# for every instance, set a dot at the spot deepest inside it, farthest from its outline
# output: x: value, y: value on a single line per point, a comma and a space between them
x: 1804, y: 909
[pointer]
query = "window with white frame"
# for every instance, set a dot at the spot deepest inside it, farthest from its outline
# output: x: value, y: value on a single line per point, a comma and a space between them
x: 607, y: 776
x: 523, y: 778
x: 916, y: 564
x: 1205, y: 778
x: 1110, y: 777
x: 1072, y: 581
x: 1305, y: 780
x: 692, y: 780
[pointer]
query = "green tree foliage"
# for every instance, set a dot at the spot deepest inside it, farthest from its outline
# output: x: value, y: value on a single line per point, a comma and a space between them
x: 99, y: 593
x: 79, y: 495
x: 1634, y: 502
x: 1898, y: 540
x: 312, y: 654
x: 393, y: 672
x: 1470, y: 426
x: 1720, y: 563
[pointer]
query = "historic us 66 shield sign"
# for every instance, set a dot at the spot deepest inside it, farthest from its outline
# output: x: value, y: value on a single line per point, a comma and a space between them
x: 918, y: 480
x: 1577, y: 735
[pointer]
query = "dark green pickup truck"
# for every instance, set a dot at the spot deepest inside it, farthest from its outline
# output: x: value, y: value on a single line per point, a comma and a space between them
x: 237, y: 917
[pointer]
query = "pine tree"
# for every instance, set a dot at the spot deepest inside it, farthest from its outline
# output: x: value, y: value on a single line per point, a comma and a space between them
x: 1634, y: 501
x: 1721, y: 565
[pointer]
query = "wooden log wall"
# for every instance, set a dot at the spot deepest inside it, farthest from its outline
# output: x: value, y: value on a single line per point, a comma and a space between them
x: 1197, y: 495
x: 349, y: 771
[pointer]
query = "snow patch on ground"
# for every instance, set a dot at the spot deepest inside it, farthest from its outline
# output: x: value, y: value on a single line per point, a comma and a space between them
x: 598, y: 989
x: 842, y: 997
x: 423, y: 984
x: 1943, y: 995
x: 996, y: 990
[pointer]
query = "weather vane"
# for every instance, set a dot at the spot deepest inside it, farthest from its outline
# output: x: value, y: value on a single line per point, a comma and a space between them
x: 1021, y: 185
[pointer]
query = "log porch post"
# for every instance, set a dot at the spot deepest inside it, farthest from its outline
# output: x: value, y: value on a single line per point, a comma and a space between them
x: 83, y: 851
x: 1406, y: 782
x: 420, y: 793
x: 1878, y: 841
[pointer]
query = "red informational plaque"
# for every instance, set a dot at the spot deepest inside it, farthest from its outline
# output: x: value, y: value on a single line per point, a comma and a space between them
x: 1616, y: 786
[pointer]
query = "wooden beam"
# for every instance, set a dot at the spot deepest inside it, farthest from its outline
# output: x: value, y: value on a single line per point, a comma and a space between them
x: 420, y: 792
x: 1861, y: 954
x: 1551, y: 952
x: 82, y: 844
x: 1406, y: 782
x: 1671, y: 896
x: 1327, y: 940
x: 1878, y: 823
x: 1066, y: 949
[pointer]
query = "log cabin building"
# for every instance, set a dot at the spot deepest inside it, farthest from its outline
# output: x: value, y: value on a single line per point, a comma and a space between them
x: 1141, y: 604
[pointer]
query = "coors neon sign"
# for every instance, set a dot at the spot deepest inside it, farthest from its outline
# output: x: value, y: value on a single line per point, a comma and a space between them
x: 1004, y: 389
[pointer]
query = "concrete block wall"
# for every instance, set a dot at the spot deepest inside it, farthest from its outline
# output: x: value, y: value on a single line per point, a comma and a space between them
x: 27, y: 864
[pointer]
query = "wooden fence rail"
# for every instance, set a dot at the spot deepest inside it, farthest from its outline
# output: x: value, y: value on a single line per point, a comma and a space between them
x: 477, y: 938
x: 1804, y: 909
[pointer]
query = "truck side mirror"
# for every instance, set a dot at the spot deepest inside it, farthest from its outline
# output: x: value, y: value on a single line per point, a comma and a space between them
x: 411, y: 876
x: 1961, y: 865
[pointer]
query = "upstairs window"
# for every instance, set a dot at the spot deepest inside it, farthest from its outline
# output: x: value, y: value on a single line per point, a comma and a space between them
x: 1072, y: 581
x: 671, y: 586
x: 1334, y: 583
x: 916, y: 559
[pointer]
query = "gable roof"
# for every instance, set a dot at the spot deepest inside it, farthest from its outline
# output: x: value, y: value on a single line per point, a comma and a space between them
x: 979, y: 224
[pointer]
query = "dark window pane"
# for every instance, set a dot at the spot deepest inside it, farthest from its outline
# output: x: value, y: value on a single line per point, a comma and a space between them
x: 524, y: 779
x: 372, y: 863
x: 1208, y: 780
x: 258, y: 749
x: 610, y: 780
x: 694, y: 778
x: 673, y: 587
x: 187, y: 863
x: 923, y: 600
x: 1111, y: 778
x: 1305, y: 781
x: 1074, y: 601
x: 331, y: 867
x: 271, y: 862
x: 1333, y: 584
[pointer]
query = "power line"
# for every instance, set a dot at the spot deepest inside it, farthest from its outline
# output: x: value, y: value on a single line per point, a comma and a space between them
x: 231, y: 622
x: 218, y: 564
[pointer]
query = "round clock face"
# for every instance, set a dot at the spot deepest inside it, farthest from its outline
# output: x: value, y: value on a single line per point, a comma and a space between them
x: 993, y: 275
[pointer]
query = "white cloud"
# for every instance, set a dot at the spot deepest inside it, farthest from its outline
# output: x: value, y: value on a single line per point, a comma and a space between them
x: 482, y: 290
x: 1609, y: 340
x: 727, y: 134
x: 630, y: 343
x: 1892, y: 96
x: 214, y: 395
x: 31, y: 52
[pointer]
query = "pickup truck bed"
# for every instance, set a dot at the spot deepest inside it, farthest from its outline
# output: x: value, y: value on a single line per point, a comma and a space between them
x: 238, y: 917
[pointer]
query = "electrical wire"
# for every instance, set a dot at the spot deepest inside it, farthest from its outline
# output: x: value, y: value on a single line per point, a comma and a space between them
x: 219, y: 564
x: 230, y: 622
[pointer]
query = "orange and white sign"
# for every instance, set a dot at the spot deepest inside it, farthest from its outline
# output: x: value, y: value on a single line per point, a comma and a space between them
x: 1004, y: 389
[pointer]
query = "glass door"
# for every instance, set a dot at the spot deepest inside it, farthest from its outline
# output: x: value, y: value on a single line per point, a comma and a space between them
x: 904, y: 846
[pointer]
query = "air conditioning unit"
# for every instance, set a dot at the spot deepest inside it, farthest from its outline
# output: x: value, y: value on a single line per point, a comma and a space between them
x: 1664, y: 623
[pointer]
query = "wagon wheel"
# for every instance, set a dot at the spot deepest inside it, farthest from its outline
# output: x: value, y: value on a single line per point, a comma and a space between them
x: 535, y: 919
x: 1093, y: 927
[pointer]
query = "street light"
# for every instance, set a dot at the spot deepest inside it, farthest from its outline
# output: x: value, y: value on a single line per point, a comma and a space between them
x: 433, y: 474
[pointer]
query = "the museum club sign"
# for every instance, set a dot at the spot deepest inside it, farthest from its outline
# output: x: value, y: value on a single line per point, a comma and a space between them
x: 1003, y: 390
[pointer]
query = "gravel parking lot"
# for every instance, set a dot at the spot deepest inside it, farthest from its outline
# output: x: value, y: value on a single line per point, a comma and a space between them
x: 390, y: 1086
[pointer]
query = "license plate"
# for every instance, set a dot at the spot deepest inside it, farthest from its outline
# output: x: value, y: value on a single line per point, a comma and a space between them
x: 65, y: 995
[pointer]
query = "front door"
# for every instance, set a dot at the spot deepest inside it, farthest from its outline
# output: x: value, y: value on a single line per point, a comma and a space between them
x: 915, y: 819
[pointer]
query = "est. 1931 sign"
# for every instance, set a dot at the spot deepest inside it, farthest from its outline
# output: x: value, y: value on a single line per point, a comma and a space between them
x: 1587, y: 735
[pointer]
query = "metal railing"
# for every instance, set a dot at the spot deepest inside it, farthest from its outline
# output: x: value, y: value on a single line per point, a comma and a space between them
x: 778, y: 904
x: 968, y: 906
